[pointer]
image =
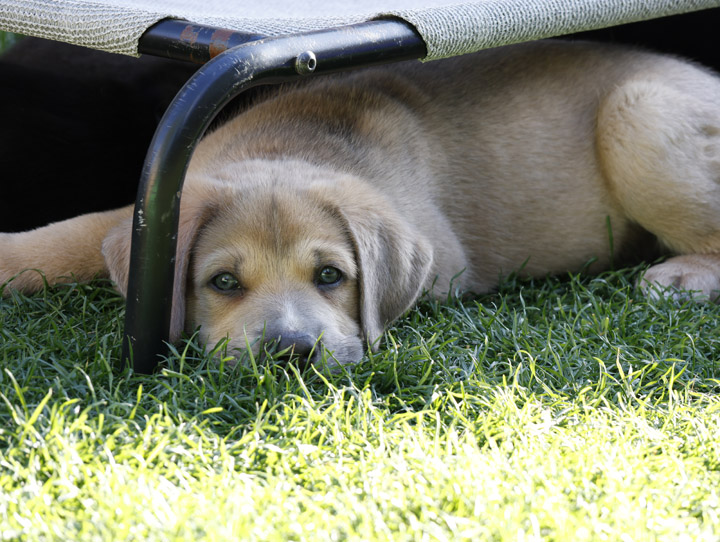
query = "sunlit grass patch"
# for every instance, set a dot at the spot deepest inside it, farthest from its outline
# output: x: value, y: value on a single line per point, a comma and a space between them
x: 563, y: 409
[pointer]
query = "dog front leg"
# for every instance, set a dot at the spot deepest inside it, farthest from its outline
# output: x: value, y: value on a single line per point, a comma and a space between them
x: 66, y: 251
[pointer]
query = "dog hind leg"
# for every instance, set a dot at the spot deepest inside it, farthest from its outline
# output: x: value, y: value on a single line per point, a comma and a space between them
x: 659, y: 145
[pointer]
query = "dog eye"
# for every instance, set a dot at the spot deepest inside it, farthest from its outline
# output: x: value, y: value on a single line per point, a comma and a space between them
x: 225, y: 282
x: 329, y: 276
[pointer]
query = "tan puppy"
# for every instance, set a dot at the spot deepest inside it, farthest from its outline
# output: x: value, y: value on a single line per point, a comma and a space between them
x: 320, y: 215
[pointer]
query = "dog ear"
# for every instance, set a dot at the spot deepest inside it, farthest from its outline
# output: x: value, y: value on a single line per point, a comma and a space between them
x: 194, y: 212
x: 394, y: 263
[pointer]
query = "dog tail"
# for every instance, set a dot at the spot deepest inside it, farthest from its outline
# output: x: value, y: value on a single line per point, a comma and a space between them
x: 61, y: 252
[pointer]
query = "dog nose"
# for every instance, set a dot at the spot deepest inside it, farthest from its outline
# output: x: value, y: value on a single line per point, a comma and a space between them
x: 294, y: 346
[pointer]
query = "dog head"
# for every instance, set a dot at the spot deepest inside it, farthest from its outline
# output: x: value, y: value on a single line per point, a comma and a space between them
x: 288, y: 255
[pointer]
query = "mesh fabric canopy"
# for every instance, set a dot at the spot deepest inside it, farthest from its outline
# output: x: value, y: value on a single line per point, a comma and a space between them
x: 448, y: 28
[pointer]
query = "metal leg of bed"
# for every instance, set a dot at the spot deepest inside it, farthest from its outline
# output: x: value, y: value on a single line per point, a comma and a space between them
x: 245, y: 62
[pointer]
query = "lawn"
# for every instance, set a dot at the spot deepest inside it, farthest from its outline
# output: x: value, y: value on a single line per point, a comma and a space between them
x: 564, y: 409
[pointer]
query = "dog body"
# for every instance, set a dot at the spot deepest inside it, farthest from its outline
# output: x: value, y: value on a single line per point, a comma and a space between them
x: 320, y: 215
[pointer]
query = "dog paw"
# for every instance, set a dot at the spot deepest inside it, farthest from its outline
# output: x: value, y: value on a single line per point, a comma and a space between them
x: 695, y: 277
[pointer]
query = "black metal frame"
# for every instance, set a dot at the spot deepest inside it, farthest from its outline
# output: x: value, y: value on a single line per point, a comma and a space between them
x: 242, y: 61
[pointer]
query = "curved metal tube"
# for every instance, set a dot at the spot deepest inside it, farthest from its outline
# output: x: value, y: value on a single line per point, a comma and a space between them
x: 183, y: 40
x: 270, y: 60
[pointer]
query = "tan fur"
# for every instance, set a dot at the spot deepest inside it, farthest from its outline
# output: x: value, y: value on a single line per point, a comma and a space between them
x: 437, y: 177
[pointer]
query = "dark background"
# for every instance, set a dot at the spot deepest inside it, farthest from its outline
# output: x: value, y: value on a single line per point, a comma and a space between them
x: 75, y: 123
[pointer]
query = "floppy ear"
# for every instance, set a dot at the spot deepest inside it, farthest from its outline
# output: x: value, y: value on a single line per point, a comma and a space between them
x: 194, y: 212
x: 394, y: 263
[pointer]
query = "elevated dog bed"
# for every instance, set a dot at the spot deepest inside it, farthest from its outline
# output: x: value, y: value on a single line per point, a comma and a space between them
x: 247, y: 43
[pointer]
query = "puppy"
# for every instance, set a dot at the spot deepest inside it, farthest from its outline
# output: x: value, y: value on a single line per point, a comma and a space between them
x: 320, y: 215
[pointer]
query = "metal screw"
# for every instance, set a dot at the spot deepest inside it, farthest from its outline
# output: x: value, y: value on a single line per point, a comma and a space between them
x: 305, y: 63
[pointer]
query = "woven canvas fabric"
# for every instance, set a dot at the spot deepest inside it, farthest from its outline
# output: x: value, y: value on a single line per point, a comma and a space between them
x: 448, y: 28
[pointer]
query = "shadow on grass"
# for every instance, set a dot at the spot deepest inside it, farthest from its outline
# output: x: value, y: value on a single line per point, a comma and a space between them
x: 556, y: 339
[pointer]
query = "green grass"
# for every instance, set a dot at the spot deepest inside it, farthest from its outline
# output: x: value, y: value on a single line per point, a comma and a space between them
x: 564, y: 409
x: 7, y: 40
